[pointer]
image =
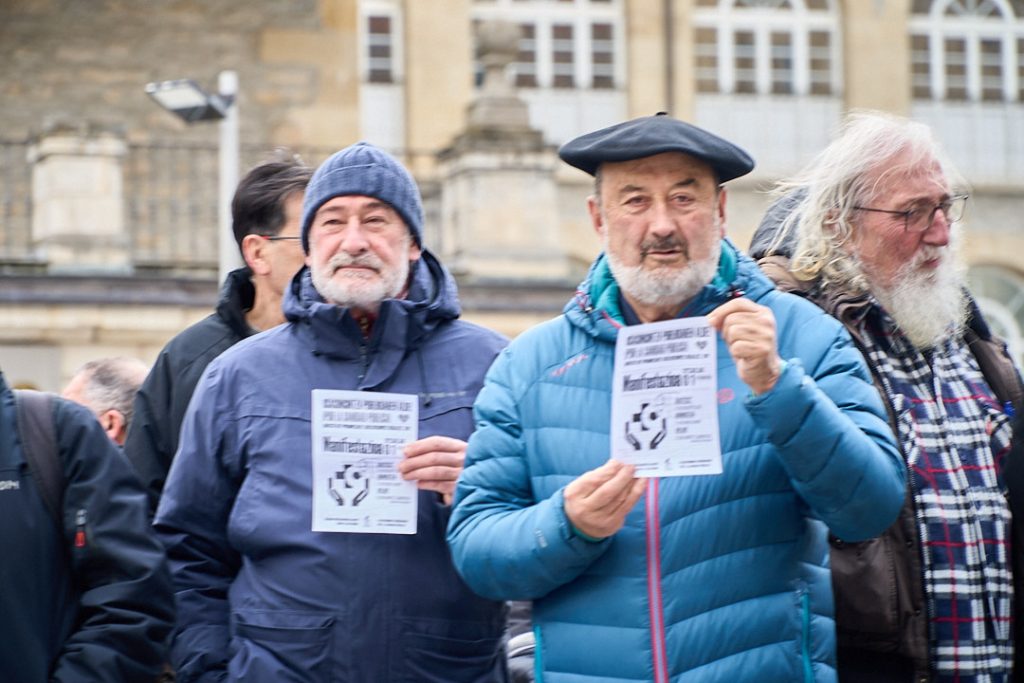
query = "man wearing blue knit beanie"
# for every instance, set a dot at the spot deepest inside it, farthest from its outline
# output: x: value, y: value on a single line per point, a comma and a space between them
x: 264, y: 592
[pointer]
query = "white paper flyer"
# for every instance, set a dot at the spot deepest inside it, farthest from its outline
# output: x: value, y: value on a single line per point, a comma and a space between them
x: 664, y: 399
x: 357, y: 444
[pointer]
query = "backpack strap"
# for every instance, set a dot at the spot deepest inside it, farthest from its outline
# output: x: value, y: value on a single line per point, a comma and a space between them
x: 38, y: 433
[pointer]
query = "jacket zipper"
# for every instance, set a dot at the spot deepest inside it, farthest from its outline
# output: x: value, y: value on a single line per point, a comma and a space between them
x: 805, y: 636
x: 654, y: 584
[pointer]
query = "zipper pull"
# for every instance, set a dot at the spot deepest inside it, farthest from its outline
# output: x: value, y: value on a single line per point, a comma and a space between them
x: 80, y: 530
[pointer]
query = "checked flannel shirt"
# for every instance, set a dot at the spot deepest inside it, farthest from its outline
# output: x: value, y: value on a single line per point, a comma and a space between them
x: 955, y: 436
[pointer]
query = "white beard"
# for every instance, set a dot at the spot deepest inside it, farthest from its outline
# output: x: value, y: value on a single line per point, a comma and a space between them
x: 927, y: 306
x: 363, y: 292
x: 665, y: 286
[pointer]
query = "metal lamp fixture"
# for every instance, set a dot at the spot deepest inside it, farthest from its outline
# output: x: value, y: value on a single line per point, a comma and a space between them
x: 185, y: 99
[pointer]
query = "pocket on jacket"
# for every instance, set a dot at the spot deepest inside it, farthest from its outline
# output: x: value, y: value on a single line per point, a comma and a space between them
x: 864, y: 587
x: 281, y: 646
x: 447, y: 416
x: 441, y: 651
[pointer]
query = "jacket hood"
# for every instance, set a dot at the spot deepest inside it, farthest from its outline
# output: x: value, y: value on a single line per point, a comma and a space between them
x: 400, y: 326
x: 237, y: 295
x: 761, y: 243
x: 595, y: 307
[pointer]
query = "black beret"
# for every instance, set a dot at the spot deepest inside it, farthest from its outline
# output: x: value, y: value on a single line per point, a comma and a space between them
x: 652, y: 135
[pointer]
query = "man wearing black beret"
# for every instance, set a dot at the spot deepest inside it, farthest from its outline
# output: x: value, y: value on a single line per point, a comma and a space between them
x: 716, y: 577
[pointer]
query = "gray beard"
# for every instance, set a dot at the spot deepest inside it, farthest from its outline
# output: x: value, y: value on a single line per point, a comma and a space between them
x: 927, y: 307
x: 363, y: 294
x: 664, y: 286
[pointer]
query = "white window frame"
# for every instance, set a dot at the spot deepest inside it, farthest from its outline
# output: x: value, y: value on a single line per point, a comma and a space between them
x: 972, y: 28
x: 763, y: 19
x: 580, y: 14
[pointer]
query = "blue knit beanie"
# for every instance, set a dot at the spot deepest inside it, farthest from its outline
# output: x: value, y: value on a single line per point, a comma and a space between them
x: 362, y: 169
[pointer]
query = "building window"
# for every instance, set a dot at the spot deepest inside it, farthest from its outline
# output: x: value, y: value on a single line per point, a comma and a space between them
x: 380, y: 42
x: 967, y: 50
x: 526, y: 62
x: 776, y: 47
x: 602, y: 55
x: 707, y: 60
x: 562, y: 56
x: 379, y: 46
x: 565, y: 44
x: 1020, y: 69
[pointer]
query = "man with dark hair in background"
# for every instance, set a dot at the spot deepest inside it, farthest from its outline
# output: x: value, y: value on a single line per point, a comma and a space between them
x: 265, y: 215
x: 107, y: 387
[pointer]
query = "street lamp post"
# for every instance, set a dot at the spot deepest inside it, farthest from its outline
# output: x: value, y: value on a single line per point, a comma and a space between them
x: 185, y: 99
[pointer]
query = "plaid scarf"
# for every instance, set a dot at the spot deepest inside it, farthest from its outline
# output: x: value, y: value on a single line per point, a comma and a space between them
x: 954, y: 436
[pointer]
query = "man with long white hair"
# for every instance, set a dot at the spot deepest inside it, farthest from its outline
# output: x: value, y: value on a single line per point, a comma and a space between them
x: 868, y: 232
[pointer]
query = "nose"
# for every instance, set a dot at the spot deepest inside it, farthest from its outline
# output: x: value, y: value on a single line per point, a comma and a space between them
x: 661, y: 223
x: 937, y: 233
x: 353, y: 240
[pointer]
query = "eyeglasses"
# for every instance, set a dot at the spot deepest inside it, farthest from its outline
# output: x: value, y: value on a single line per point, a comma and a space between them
x: 920, y: 218
x: 280, y: 238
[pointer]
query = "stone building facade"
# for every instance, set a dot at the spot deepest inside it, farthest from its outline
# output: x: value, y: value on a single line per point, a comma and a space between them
x: 108, y: 221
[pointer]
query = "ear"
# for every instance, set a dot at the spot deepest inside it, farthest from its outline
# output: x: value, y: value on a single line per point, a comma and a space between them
x: 720, y: 210
x: 114, y: 425
x: 594, y: 208
x: 414, y: 251
x: 253, y: 247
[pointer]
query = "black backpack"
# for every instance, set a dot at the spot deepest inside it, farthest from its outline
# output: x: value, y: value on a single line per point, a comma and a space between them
x: 38, y: 433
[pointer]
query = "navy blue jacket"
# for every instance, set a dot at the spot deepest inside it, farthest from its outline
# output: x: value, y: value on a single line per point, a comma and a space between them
x: 96, y: 610
x: 261, y: 597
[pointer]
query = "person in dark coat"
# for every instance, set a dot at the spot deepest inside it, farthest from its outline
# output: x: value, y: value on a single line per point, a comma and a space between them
x: 89, y: 598
x: 262, y: 596
x: 265, y: 214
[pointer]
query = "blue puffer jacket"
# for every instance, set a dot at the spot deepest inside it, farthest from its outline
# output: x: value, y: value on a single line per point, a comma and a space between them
x: 713, y: 578
x: 262, y: 597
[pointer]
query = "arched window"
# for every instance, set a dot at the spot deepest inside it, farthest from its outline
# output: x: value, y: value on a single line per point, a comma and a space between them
x: 1000, y: 294
x: 968, y: 50
x: 767, y: 47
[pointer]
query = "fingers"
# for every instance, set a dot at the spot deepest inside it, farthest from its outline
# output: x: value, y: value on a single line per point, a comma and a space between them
x: 589, y: 482
x: 738, y: 305
x: 748, y: 330
x: 434, y: 463
x: 434, y: 443
x: 598, y: 501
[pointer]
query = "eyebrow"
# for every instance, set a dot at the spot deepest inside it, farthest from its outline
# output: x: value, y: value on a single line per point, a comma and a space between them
x: 625, y: 189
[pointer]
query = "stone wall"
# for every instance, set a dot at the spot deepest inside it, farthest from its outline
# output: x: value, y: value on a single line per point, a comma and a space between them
x: 89, y: 61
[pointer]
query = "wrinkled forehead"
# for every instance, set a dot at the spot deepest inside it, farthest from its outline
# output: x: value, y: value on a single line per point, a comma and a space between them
x: 667, y: 168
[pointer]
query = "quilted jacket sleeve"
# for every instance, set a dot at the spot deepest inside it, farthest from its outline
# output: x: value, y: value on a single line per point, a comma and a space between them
x: 506, y: 544
x: 827, y: 422
x: 192, y: 521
